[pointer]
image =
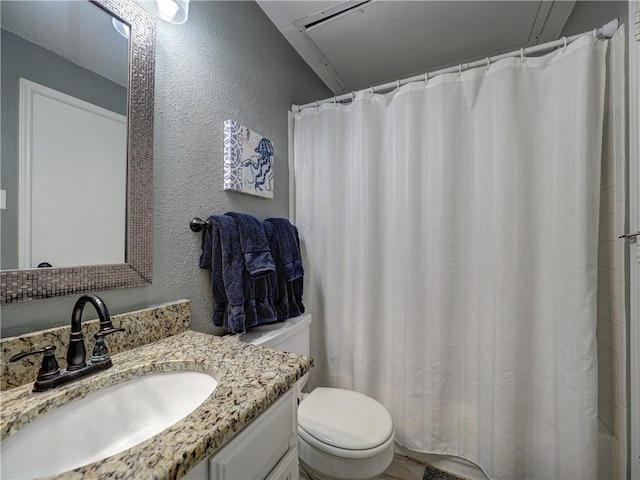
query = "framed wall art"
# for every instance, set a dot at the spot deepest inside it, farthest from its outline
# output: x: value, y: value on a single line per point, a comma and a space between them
x: 248, y: 161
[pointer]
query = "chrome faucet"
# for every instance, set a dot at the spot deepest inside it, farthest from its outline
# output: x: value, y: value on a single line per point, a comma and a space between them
x: 50, y: 375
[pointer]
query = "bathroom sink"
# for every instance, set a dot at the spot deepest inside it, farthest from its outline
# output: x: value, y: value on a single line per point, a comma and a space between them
x: 103, y: 423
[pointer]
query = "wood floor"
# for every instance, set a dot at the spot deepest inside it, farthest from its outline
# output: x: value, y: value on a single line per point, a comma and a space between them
x: 403, y: 468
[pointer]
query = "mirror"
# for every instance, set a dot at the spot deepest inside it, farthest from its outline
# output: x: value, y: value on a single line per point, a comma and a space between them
x: 63, y: 95
x: 108, y: 97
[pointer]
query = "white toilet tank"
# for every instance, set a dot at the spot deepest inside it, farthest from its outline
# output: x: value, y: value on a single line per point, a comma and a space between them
x: 292, y: 335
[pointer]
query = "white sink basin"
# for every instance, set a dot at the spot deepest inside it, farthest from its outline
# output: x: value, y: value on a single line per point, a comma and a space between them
x: 103, y: 423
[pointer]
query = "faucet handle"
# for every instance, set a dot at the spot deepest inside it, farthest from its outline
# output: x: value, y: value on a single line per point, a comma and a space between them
x: 108, y: 331
x: 100, y: 352
x: 49, y: 367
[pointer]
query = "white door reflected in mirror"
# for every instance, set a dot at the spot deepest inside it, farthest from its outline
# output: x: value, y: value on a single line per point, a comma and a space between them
x: 73, y: 171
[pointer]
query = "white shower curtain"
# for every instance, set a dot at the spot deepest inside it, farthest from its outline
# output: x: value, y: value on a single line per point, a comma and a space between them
x: 450, y: 233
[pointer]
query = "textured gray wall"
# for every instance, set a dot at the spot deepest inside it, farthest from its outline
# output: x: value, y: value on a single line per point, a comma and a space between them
x: 21, y: 58
x: 227, y: 61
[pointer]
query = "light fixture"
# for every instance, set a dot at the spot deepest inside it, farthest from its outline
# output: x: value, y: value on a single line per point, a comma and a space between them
x: 122, y: 28
x: 172, y: 11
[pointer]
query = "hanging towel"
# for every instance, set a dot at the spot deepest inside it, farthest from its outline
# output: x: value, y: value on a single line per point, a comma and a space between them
x: 255, y: 248
x: 281, y: 291
x: 259, y: 266
x: 240, y: 300
x: 221, y: 253
x: 298, y: 282
x: 283, y: 239
x: 212, y: 249
x: 289, y: 247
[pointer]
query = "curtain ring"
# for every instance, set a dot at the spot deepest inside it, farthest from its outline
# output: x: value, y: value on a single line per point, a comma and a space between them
x: 522, y: 54
x: 426, y: 78
x: 398, y: 84
x: 564, y: 39
x: 372, y: 92
x: 595, y: 33
x: 353, y: 96
x: 459, y: 69
x: 316, y: 105
x: 335, y: 100
x: 488, y: 63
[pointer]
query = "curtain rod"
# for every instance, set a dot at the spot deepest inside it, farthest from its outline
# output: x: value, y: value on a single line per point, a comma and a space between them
x: 605, y: 31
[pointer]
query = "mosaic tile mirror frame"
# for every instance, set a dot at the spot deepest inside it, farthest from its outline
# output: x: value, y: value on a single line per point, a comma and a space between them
x: 21, y: 285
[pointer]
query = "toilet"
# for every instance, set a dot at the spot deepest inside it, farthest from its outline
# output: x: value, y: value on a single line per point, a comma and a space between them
x: 342, y: 435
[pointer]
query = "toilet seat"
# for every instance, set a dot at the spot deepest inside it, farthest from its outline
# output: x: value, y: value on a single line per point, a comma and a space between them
x: 344, y: 423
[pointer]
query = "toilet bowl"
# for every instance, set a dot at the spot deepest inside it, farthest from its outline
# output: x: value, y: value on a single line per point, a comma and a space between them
x: 342, y: 435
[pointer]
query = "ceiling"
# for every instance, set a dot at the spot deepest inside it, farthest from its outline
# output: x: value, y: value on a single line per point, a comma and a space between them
x: 356, y: 44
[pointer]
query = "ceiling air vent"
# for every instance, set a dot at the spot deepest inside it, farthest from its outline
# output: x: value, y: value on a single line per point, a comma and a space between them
x: 307, y: 24
x: 330, y: 13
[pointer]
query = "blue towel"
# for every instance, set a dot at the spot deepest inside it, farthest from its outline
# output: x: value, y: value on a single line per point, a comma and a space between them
x: 259, y: 265
x: 283, y: 299
x: 298, y: 283
x: 241, y: 301
x: 255, y: 248
x: 206, y: 262
x: 221, y: 254
x: 289, y: 247
x: 285, y: 244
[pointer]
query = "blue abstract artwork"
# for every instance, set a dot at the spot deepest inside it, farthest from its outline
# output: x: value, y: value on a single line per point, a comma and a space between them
x: 248, y: 161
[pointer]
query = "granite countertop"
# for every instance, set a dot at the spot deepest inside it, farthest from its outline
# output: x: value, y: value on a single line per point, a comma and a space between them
x: 250, y: 379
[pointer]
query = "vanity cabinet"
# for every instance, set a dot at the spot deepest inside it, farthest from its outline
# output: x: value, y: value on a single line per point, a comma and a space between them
x: 266, y: 449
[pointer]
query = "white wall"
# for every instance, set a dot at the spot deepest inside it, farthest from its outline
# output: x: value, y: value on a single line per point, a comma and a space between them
x: 634, y: 248
x: 612, y: 327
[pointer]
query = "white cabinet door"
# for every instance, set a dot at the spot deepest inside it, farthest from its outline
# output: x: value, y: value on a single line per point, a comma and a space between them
x: 257, y: 451
x: 199, y: 472
x: 288, y: 468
